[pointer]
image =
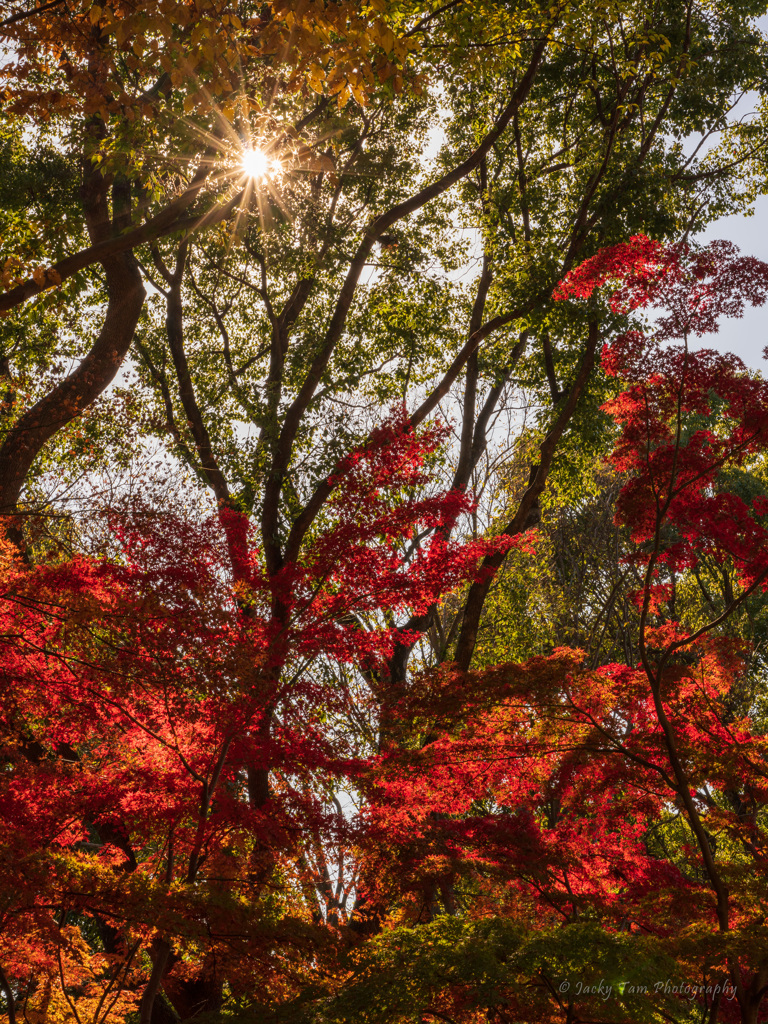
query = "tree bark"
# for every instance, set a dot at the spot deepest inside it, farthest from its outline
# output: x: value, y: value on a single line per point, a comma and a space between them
x: 74, y: 394
x: 492, y: 563
x: 159, y: 965
x: 5, y: 986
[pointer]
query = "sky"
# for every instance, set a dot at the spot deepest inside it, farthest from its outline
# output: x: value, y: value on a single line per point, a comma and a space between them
x: 748, y: 336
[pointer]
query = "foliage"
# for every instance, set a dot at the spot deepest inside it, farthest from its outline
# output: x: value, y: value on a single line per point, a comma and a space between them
x: 335, y: 713
x: 138, y: 687
x: 529, y: 840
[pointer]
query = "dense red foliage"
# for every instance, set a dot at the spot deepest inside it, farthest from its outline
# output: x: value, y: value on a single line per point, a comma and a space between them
x: 180, y: 729
x: 142, y: 694
x: 634, y: 795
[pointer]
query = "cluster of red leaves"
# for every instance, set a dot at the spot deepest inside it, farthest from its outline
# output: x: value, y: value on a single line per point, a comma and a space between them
x: 685, y: 416
x: 514, y: 794
x: 694, y: 415
x: 693, y: 287
x: 138, y: 693
x: 137, y: 689
x: 543, y: 791
x: 634, y: 265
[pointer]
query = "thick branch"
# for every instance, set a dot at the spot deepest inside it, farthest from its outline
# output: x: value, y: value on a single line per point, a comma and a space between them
x: 470, y: 383
x: 7, y: 991
x: 491, y: 564
x: 23, y: 15
x: 75, y: 393
x: 549, y: 366
x: 159, y: 966
x: 295, y: 413
x: 175, y: 328
x: 164, y: 223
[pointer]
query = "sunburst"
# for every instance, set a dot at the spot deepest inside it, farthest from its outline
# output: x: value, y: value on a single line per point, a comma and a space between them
x: 254, y: 163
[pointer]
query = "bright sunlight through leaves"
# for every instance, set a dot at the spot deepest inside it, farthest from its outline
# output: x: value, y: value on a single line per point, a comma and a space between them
x: 254, y: 163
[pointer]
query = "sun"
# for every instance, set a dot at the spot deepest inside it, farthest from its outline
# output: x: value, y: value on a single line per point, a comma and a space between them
x: 254, y: 163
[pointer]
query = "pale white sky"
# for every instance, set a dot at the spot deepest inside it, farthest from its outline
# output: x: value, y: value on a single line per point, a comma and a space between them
x: 748, y: 336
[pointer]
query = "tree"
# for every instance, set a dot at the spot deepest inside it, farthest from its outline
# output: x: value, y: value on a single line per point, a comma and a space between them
x: 146, y: 696
x: 520, y: 814
x: 555, y: 841
x: 112, y: 69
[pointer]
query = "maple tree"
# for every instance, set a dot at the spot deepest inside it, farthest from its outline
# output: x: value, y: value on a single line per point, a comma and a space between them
x: 601, y: 829
x: 168, y: 719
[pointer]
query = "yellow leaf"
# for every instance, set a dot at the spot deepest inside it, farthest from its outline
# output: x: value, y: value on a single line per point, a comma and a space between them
x: 95, y: 14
